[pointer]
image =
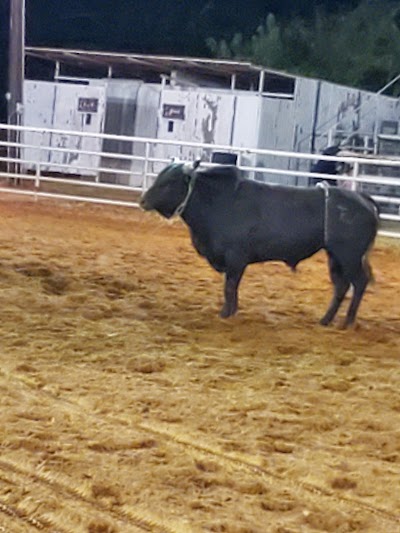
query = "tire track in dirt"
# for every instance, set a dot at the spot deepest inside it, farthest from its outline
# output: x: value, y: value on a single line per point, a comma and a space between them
x: 195, y: 447
x: 121, y: 518
x: 52, y: 483
x: 252, y: 466
x: 17, y: 514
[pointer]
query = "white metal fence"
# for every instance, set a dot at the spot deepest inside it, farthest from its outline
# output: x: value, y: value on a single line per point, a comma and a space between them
x: 28, y: 166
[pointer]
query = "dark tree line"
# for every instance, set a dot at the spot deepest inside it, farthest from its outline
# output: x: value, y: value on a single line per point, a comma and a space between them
x: 157, y: 26
x: 358, y: 46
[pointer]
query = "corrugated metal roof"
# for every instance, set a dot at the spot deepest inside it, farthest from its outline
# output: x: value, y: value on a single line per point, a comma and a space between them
x: 140, y: 63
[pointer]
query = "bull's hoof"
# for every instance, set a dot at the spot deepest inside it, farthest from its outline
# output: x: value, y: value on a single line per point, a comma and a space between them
x: 348, y: 325
x: 324, y: 321
x: 226, y: 312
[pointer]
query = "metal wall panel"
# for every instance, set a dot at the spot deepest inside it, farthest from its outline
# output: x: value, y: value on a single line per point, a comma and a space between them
x: 146, y: 120
x: 276, y: 132
x: 120, y: 118
x: 246, y: 124
x: 206, y: 117
x: 246, y: 120
x: 68, y: 117
x: 305, y: 106
x: 352, y: 111
x: 66, y: 106
x: 177, y: 120
x: 305, y: 123
x: 148, y: 104
x: 307, y: 96
x: 38, y: 112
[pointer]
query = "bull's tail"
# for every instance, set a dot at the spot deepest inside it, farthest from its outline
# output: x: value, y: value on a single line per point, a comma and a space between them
x: 365, y: 259
x: 367, y: 267
x: 374, y: 204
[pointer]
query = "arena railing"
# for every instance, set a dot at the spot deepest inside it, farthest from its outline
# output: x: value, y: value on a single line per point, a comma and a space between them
x: 50, y: 163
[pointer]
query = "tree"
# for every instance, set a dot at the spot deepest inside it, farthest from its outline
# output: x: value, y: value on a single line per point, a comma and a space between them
x: 358, y: 47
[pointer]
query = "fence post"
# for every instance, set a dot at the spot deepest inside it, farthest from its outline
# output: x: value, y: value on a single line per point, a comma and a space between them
x: 38, y: 166
x: 239, y: 159
x: 146, y: 167
x: 355, y: 173
x: 37, y: 179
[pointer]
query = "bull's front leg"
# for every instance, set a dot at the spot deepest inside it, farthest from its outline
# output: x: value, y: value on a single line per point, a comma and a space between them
x: 232, y: 280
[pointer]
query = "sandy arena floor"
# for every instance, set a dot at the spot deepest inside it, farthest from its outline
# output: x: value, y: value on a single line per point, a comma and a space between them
x: 127, y: 405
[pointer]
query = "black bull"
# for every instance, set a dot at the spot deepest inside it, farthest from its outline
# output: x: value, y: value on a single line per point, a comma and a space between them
x: 235, y: 221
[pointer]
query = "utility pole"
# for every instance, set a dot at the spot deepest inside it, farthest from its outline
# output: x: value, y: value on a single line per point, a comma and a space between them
x: 16, y: 58
x: 16, y: 70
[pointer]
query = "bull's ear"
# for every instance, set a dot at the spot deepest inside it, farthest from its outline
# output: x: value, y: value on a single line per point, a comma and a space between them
x: 186, y: 169
x: 189, y: 168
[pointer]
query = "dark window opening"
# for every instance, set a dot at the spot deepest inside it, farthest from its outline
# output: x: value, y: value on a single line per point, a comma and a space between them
x: 278, y: 84
x: 170, y: 126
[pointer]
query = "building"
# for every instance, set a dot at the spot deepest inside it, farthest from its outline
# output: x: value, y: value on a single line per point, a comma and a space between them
x: 228, y: 103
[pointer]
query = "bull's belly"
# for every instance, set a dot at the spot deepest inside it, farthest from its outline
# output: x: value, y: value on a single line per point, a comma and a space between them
x: 223, y: 260
x: 292, y: 260
x: 225, y: 254
x: 290, y: 253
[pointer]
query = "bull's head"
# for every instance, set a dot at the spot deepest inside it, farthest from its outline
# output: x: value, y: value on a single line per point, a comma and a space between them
x: 171, y: 189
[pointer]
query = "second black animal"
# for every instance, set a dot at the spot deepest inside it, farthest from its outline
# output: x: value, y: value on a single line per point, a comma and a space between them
x: 235, y: 221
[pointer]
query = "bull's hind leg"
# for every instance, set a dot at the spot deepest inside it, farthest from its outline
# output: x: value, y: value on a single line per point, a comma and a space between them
x: 341, y: 286
x: 232, y: 280
x: 359, y: 282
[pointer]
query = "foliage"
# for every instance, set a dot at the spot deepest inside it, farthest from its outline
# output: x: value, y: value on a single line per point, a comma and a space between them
x: 358, y: 47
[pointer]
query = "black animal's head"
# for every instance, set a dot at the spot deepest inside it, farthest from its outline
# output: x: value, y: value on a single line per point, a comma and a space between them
x: 169, y: 189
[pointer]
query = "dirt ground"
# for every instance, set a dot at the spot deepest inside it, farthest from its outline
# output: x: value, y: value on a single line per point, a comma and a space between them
x: 128, y: 405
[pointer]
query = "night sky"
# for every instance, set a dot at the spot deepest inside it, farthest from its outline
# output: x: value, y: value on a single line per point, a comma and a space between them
x: 159, y: 26
x: 177, y: 27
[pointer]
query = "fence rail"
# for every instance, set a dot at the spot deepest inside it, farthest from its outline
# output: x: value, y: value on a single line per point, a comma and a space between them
x: 63, y: 164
